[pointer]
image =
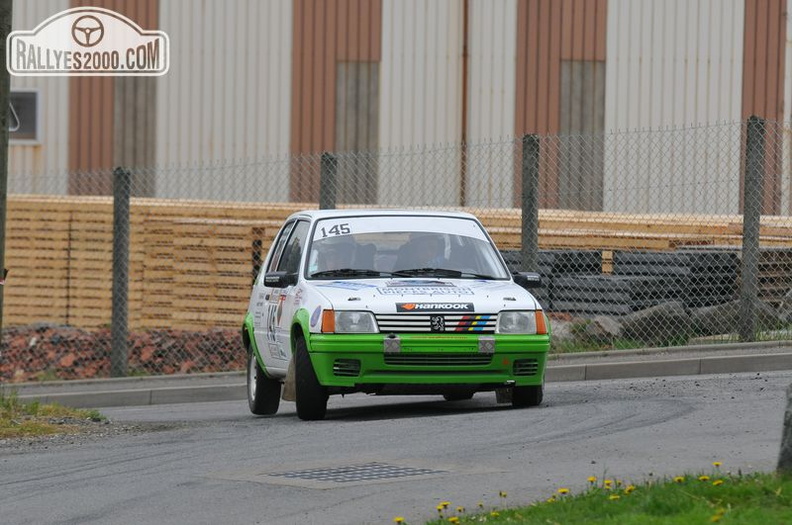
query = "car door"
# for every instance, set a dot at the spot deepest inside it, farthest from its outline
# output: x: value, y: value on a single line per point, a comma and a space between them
x: 288, y: 299
x: 261, y: 302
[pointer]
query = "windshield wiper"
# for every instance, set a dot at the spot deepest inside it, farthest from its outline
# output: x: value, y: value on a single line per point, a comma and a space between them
x: 441, y: 272
x: 351, y: 272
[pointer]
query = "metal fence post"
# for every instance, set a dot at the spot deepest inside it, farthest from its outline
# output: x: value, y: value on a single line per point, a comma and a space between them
x: 122, y: 182
x: 530, y: 203
x: 327, y: 182
x: 752, y: 210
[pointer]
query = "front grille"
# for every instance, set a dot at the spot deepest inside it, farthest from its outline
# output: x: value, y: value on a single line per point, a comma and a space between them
x: 422, y: 323
x: 346, y: 367
x: 438, y: 359
x: 526, y: 367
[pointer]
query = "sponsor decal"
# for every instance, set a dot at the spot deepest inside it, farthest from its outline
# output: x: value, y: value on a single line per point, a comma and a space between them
x: 434, y: 307
x: 425, y: 290
x: 345, y: 285
x: 473, y: 323
x: 88, y: 41
x: 315, y: 316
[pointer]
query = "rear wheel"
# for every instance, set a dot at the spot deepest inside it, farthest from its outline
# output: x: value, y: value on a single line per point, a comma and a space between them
x: 527, y: 396
x: 263, y: 392
x: 311, y: 396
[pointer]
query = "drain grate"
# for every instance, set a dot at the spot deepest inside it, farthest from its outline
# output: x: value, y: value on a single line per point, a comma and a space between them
x: 357, y: 473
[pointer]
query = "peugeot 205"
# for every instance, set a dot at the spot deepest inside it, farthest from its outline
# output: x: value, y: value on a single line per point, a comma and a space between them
x: 390, y: 302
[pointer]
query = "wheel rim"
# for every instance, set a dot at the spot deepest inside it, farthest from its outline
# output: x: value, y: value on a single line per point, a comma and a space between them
x: 252, y: 376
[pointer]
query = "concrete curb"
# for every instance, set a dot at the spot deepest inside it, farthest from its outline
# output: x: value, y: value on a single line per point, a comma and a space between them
x: 230, y: 386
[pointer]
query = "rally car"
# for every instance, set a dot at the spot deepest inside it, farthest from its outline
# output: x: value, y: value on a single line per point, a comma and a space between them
x: 390, y: 302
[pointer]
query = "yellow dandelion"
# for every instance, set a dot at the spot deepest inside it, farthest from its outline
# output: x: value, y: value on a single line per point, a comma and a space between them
x: 563, y: 490
x: 608, y: 482
x: 704, y: 478
x: 716, y: 518
x: 460, y: 510
x: 398, y: 519
x: 551, y: 499
x: 629, y: 488
x: 592, y: 479
x: 716, y: 464
x: 445, y: 504
x: 619, y: 483
x: 502, y: 494
x: 679, y: 479
x: 717, y: 482
x: 440, y: 509
x: 494, y: 513
x: 614, y: 497
x: 453, y: 519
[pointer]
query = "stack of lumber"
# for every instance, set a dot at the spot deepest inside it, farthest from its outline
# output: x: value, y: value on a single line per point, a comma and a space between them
x: 191, y: 262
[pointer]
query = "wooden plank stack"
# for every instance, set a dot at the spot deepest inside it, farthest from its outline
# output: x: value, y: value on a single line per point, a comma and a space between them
x: 191, y: 262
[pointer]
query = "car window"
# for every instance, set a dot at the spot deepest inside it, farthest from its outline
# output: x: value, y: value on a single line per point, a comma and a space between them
x: 292, y: 253
x: 280, y: 243
x: 395, y: 244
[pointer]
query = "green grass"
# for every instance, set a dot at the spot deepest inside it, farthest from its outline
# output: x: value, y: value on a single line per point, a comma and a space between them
x: 755, y: 499
x: 19, y: 419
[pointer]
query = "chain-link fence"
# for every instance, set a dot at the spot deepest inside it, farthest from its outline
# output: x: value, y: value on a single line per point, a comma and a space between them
x: 640, y: 242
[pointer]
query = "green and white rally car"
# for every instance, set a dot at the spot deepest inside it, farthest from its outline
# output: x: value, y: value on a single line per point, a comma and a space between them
x: 390, y: 302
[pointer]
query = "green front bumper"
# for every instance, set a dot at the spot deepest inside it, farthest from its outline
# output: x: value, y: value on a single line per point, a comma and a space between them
x: 350, y: 360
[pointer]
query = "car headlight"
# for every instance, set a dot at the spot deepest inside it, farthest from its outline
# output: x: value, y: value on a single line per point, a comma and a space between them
x: 350, y: 322
x: 521, y: 322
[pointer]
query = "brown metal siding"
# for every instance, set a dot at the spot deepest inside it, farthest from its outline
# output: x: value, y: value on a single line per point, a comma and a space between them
x: 549, y: 31
x: 763, y: 84
x: 91, y: 110
x: 325, y: 32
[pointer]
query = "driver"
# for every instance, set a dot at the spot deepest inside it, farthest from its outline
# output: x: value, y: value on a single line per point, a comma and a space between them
x: 428, y: 251
x: 335, y: 253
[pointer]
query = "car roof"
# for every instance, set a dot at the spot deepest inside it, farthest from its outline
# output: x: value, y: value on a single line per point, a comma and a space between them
x: 369, y: 212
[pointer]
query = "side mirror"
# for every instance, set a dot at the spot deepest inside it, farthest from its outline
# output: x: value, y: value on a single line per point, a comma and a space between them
x: 528, y: 280
x: 280, y: 279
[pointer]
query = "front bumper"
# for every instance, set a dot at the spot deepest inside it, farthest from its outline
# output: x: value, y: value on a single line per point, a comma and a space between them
x: 355, y: 360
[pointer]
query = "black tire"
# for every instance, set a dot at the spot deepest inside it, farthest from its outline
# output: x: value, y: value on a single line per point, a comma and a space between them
x: 458, y: 396
x: 263, y: 393
x: 527, y: 396
x: 311, y: 396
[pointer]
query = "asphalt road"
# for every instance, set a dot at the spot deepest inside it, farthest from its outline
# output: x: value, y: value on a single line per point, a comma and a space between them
x: 376, y: 458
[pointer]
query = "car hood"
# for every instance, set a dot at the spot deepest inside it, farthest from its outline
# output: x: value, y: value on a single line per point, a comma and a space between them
x: 425, y: 295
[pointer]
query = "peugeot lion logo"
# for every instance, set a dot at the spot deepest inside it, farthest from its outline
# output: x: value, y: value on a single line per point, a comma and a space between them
x: 437, y: 323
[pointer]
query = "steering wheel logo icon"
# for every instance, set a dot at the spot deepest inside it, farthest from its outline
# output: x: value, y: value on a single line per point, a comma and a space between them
x: 87, y: 31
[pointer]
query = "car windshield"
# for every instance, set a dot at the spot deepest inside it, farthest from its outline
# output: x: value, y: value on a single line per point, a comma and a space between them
x: 402, y: 246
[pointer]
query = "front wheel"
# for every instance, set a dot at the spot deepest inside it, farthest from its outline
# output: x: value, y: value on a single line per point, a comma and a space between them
x: 527, y: 396
x: 263, y: 392
x: 311, y: 396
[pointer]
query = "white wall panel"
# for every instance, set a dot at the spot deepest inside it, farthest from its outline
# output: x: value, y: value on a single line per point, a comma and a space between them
x: 420, y: 100
x: 492, y: 48
x: 677, y: 64
x: 225, y: 99
x: 41, y: 166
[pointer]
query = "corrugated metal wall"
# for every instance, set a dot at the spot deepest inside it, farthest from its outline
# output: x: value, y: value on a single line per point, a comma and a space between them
x: 41, y: 166
x: 491, y: 101
x: 421, y: 99
x: 672, y: 63
x: 328, y: 35
x: 226, y: 97
x: 763, y: 85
